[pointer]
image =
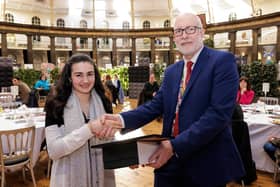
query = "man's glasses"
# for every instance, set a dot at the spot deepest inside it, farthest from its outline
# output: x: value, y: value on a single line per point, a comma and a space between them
x: 188, y: 30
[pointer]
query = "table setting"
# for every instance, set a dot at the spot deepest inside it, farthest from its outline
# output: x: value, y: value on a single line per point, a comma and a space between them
x: 263, y: 122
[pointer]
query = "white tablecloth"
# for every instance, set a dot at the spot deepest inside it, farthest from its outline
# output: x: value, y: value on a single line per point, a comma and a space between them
x: 39, y: 122
x: 260, y: 129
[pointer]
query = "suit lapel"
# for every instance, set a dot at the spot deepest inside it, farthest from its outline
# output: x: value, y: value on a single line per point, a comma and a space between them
x: 199, y: 66
x: 175, y: 84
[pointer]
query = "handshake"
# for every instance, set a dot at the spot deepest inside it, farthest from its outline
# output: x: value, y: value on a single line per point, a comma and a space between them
x: 106, y: 126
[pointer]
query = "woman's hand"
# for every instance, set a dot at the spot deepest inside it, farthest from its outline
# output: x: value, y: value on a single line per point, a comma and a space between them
x: 104, y: 128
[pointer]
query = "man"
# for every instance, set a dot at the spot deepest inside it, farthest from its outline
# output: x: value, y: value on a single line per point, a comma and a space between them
x: 203, y: 153
x: 23, y: 89
x: 149, y: 91
x: 150, y: 88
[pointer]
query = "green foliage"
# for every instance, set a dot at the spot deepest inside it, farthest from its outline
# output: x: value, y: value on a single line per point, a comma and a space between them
x: 270, y: 75
x: 245, y: 70
x: 158, y: 71
x: 209, y: 42
x: 258, y: 73
x: 29, y: 76
x: 54, y: 74
x: 256, y: 77
x: 122, y: 73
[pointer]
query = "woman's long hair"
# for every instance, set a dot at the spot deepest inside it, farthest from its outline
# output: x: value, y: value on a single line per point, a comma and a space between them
x: 63, y: 89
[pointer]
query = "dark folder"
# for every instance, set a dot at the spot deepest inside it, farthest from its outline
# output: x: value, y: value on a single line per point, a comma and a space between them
x: 123, y: 153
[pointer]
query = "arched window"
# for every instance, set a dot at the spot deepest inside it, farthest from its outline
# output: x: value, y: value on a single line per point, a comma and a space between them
x: 60, y: 22
x: 83, y: 23
x: 105, y: 24
x: 36, y: 20
x: 83, y: 41
x: 166, y: 23
x: 9, y: 18
x: 125, y: 25
x: 125, y: 41
x: 146, y: 25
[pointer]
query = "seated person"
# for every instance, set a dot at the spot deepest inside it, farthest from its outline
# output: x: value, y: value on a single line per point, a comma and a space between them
x: 43, y: 85
x: 240, y: 133
x: 150, y: 89
x: 245, y: 94
x: 270, y: 147
x: 23, y: 89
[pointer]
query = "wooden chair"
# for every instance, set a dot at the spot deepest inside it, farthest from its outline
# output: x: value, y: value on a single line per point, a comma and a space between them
x: 276, y: 165
x: 269, y: 100
x: 16, y: 148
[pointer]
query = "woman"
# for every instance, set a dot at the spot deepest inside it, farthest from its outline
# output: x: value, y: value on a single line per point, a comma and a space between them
x: 109, y: 84
x: 71, y: 122
x: 43, y: 84
x: 245, y: 94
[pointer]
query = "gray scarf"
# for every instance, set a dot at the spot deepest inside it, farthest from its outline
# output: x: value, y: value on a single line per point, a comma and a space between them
x: 80, y: 159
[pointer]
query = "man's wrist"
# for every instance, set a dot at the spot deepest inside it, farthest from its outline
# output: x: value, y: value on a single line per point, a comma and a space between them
x: 122, y: 121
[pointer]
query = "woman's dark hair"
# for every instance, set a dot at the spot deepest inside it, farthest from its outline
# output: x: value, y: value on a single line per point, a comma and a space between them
x: 63, y: 89
x: 246, y: 80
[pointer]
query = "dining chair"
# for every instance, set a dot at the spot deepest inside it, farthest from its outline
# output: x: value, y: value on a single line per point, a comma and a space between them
x: 16, y: 148
x: 269, y: 100
x: 276, y: 165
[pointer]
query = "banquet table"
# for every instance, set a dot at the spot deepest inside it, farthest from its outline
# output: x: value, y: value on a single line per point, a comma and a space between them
x: 261, y: 127
x: 9, y: 120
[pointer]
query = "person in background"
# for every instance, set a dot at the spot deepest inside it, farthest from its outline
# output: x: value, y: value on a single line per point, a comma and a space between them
x: 271, y: 146
x: 73, y: 123
x: 149, y: 91
x: 150, y: 88
x: 245, y: 94
x: 109, y: 84
x: 117, y: 84
x: 197, y: 98
x: 43, y: 85
x: 23, y: 89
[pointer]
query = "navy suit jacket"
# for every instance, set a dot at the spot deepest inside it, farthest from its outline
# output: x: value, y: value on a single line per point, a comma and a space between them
x: 204, y: 145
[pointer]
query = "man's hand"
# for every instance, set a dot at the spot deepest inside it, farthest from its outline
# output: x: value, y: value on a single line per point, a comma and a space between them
x: 161, y: 155
x: 113, y: 118
x: 104, y: 128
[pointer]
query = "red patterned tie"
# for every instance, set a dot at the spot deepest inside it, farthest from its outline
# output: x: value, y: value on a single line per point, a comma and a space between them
x: 187, y: 78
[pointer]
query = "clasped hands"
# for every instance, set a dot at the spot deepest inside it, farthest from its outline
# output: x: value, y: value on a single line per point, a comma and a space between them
x: 109, y: 124
x: 106, y: 126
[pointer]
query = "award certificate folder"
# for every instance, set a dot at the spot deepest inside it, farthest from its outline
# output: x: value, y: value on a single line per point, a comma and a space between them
x: 133, y: 151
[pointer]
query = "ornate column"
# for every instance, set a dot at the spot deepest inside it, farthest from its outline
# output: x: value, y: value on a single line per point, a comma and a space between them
x: 114, y: 59
x: 52, y: 23
x: 152, y: 49
x: 94, y: 51
x: 171, y: 50
x: 3, y: 10
x: 74, y: 47
x: 255, y: 45
x: 52, y: 47
x: 232, y: 38
x: 133, y: 51
x: 278, y: 44
x: 4, y: 47
x: 211, y: 35
x: 29, y: 49
x: 132, y: 14
x: 93, y: 14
